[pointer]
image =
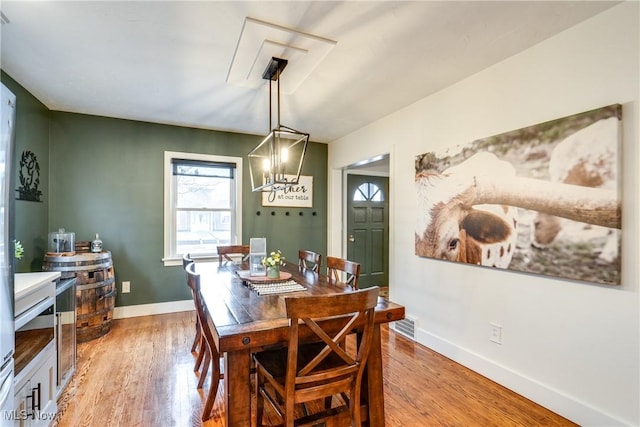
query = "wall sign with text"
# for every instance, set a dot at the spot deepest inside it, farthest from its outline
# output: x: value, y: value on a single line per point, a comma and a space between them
x: 299, y: 196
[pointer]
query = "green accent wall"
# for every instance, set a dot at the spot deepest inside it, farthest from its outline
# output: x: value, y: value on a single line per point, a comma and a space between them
x: 104, y: 175
x: 32, y: 134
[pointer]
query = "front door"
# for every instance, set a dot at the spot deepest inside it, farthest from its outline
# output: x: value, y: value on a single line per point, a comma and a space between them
x: 368, y: 227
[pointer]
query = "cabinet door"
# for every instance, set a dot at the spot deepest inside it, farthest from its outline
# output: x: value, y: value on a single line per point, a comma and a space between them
x: 20, y: 410
x: 43, y: 392
x: 35, y: 403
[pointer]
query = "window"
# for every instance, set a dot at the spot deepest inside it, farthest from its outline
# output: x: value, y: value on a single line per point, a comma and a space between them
x: 368, y: 192
x: 202, y: 204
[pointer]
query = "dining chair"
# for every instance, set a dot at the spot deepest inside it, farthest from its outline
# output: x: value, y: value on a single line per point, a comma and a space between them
x: 225, y: 252
x: 316, y: 366
x: 309, y: 260
x: 211, y: 353
x: 198, y: 345
x: 186, y: 260
x: 337, y: 265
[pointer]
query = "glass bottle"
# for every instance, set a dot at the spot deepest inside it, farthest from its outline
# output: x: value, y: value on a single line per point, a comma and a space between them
x: 96, y: 245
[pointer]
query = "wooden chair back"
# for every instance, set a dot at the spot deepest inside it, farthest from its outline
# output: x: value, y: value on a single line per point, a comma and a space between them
x: 186, y: 260
x: 323, y: 368
x: 225, y: 252
x: 212, y: 358
x: 309, y: 260
x: 197, y: 339
x: 337, y: 265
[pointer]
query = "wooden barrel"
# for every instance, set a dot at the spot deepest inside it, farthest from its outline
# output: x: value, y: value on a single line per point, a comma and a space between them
x: 95, y: 290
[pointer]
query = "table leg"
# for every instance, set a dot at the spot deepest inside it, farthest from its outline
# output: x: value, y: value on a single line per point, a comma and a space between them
x: 374, y: 384
x: 237, y: 388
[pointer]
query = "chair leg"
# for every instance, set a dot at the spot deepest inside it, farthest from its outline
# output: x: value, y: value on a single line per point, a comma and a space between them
x: 213, y: 389
x: 289, y: 414
x: 354, y: 404
x: 201, y: 354
x: 259, y: 383
x: 196, y: 339
x: 205, y: 368
x: 327, y: 402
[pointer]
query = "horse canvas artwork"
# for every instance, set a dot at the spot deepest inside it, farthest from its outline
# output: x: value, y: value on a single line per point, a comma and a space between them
x: 543, y: 199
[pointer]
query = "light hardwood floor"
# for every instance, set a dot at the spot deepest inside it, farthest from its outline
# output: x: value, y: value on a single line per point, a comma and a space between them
x: 141, y: 374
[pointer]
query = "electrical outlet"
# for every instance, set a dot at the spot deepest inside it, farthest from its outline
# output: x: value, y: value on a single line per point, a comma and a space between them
x: 495, y: 333
x: 126, y: 287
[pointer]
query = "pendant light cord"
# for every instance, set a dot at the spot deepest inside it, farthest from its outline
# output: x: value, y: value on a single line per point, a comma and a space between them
x: 271, y: 101
x: 278, y: 79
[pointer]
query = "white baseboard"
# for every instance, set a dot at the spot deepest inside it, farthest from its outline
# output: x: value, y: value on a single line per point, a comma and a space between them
x: 151, y: 309
x: 544, y: 395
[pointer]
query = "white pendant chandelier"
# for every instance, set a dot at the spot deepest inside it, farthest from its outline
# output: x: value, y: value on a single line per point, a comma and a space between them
x: 276, y: 162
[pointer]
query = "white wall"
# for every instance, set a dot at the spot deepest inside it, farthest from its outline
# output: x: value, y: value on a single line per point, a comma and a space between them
x: 572, y: 347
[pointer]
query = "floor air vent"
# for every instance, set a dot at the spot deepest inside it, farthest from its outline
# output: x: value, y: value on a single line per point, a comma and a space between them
x: 406, y: 326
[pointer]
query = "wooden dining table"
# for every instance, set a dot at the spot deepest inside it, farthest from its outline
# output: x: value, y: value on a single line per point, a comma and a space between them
x: 245, y: 322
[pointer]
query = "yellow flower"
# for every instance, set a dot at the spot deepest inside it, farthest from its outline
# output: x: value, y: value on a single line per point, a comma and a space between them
x: 274, y: 259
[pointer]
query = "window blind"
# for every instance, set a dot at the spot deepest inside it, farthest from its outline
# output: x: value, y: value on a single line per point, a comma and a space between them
x: 199, y: 168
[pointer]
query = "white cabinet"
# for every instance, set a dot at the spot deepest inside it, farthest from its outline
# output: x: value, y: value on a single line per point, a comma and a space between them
x: 35, y: 350
x: 35, y: 396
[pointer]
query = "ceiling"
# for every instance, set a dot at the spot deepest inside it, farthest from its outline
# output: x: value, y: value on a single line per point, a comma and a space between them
x: 194, y: 63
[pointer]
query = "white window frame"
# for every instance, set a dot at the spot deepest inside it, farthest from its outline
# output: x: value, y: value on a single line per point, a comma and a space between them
x: 170, y: 258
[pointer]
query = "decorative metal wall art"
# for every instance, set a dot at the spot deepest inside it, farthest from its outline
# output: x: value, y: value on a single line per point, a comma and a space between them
x: 29, y: 178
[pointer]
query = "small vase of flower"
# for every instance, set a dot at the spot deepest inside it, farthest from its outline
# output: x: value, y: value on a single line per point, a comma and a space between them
x: 273, y: 263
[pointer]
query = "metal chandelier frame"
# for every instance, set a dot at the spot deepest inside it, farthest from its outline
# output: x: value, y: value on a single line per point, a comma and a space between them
x: 276, y: 162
